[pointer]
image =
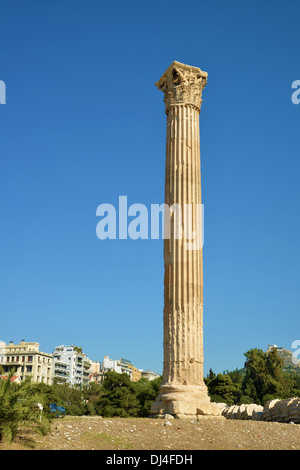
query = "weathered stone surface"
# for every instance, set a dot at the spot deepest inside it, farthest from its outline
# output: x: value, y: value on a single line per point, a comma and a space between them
x: 183, y: 392
x: 270, y: 413
x: 282, y: 411
x: 245, y: 412
x: 182, y: 84
x: 168, y: 416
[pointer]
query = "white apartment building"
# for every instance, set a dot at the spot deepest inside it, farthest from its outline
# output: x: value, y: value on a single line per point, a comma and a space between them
x: 71, y: 365
x: 120, y: 366
x: 149, y: 374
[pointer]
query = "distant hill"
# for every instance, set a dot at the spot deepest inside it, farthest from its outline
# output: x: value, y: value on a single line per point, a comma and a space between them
x: 286, y: 355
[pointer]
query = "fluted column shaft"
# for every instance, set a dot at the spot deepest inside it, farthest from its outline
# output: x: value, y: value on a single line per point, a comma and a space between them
x: 183, y: 294
x: 183, y: 392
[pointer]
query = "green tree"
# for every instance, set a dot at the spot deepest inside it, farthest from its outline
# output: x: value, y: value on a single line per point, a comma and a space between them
x: 293, y: 379
x: 147, y: 391
x: 211, y: 375
x: 71, y: 398
x: 237, y: 376
x: 47, y: 394
x: 222, y: 389
x: 92, y: 395
x: 264, y: 378
x: 18, y: 408
x: 119, y: 396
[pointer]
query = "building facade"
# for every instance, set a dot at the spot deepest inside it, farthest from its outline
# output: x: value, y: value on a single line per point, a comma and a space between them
x: 71, y: 365
x: 67, y: 364
x: 96, y: 374
x: 136, y: 374
x: 121, y: 366
x: 26, y: 360
x: 149, y: 374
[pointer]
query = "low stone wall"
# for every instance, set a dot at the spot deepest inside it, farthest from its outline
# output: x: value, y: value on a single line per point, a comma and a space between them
x: 282, y: 411
x: 252, y: 411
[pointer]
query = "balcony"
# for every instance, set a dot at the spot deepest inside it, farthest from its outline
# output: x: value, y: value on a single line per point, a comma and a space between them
x: 58, y: 373
x: 62, y: 366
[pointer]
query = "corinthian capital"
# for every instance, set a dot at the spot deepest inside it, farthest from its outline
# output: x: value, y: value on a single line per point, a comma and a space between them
x: 182, y: 84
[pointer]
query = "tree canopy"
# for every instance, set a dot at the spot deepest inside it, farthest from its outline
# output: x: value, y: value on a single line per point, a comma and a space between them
x: 261, y: 379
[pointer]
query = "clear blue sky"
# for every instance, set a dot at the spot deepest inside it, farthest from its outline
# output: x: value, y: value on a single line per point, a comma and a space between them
x: 84, y: 123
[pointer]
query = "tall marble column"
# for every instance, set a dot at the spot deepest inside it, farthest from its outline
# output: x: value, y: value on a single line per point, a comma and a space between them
x: 183, y: 392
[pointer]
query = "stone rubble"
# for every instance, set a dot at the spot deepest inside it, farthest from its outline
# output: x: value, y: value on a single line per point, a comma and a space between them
x: 281, y: 411
x: 252, y: 411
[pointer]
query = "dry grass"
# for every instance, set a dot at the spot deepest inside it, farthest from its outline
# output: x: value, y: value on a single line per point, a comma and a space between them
x: 95, y: 433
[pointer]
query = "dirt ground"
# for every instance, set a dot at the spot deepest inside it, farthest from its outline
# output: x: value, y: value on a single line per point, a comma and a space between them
x: 96, y: 433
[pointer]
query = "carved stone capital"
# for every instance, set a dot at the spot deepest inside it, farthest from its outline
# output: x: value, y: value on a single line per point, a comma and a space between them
x: 182, y: 84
